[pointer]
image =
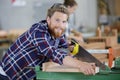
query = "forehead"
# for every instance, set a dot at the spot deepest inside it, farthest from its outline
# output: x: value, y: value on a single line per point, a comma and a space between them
x: 73, y: 7
x: 60, y: 15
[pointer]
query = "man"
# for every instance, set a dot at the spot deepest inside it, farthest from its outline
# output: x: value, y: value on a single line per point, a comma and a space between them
x: 42, y: 42
x: 72, y: 5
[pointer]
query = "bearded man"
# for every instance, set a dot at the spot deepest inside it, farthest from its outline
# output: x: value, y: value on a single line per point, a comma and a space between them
x: 42, y: 42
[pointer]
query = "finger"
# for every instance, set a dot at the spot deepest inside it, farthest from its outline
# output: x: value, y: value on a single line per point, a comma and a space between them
x: 93, y: 65
x: 90, y: 70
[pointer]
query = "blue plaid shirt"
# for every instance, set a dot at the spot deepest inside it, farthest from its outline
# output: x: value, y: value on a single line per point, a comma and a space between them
x: 32, y: 48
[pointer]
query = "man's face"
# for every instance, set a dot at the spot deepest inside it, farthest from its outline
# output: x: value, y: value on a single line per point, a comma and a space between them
x: 72, y: 9
x: 57, y: 24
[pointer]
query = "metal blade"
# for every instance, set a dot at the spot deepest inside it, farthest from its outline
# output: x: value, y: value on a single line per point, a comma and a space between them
x: 84, y: 55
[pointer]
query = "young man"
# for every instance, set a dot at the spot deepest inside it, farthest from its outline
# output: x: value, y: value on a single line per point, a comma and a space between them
x: 72, y: 5
x: 39, y: 44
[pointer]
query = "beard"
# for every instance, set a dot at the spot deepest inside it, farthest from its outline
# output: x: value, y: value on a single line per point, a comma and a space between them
x: 56, y: 31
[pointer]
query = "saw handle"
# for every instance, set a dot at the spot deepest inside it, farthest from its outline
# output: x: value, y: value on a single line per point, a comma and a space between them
x: 76, y: 47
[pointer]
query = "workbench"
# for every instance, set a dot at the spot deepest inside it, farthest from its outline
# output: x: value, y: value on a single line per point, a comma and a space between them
x: 49, y: 72
x: 75, y: 75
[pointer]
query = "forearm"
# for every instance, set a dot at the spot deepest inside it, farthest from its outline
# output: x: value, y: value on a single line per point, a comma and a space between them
x: 84, y: 67
x: 69, y: 61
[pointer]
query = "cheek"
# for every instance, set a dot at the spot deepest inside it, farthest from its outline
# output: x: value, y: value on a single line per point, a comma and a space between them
x: 51, y: 25
x: 64, y: 28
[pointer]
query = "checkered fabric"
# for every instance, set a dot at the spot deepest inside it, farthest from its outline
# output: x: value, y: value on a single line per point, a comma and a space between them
x: 32, y: 48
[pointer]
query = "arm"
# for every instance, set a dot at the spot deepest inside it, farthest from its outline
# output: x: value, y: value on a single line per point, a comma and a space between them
x: 86, y: 68
x: 45, y: 47
x: 63, y: 42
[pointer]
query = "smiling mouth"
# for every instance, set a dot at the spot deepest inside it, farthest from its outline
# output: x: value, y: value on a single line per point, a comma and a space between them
x: 58, y: 32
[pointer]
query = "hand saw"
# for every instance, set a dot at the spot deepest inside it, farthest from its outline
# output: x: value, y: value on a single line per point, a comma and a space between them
x: 84, y: 55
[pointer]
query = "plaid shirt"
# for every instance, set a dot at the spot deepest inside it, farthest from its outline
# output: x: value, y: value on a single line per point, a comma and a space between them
x: 32, y: 48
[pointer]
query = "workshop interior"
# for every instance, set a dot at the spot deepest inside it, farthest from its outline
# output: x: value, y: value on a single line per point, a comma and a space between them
x: 97, y: 21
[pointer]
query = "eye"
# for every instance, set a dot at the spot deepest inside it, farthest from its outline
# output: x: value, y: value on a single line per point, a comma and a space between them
x: 64, y: 21
x: 57, y: 20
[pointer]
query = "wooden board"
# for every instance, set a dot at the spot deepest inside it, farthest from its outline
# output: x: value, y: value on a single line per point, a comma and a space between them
x: 109, y: 41
x: 95, y: 45
x: 116, y: 50
x: 54, y: 67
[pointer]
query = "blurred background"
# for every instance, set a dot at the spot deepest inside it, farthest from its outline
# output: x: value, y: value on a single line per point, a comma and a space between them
x: 21, y: 14
x: 16, y: 16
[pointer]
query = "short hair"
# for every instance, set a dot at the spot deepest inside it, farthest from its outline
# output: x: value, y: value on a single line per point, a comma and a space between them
x: 57, y: 7
x: 70, y: 3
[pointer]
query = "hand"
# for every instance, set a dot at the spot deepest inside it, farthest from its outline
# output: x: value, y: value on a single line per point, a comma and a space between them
x: 87, y: 68
x: 71, y: 48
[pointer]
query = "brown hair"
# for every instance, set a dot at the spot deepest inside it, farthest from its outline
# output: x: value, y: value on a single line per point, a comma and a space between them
x: 57, y: 7
x: 70, y: 3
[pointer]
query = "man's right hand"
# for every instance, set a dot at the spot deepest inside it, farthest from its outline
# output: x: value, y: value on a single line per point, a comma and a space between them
x: 87, y: 68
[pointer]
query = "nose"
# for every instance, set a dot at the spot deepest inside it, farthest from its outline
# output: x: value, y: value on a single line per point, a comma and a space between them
x: 61, y: 25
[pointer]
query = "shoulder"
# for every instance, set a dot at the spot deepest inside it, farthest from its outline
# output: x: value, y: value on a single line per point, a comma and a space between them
x: 41, y: 26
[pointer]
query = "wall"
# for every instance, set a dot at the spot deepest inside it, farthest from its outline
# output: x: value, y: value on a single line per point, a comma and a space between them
x: 15, y: 17
x: 22, y: 17
x: 86, y: 14
x: 12, y: 17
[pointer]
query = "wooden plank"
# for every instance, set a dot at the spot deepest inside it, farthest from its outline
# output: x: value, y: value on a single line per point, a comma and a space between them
x: 95, y: 45
x: 109, y: 41
x: 116, y: 50
x: 54, y: 67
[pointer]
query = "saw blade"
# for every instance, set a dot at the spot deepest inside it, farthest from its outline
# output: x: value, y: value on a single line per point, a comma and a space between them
x: 84, y: 55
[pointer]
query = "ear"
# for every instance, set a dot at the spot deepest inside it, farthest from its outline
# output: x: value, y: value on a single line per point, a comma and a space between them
x: 68, y: 6
x: 48, y: 20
